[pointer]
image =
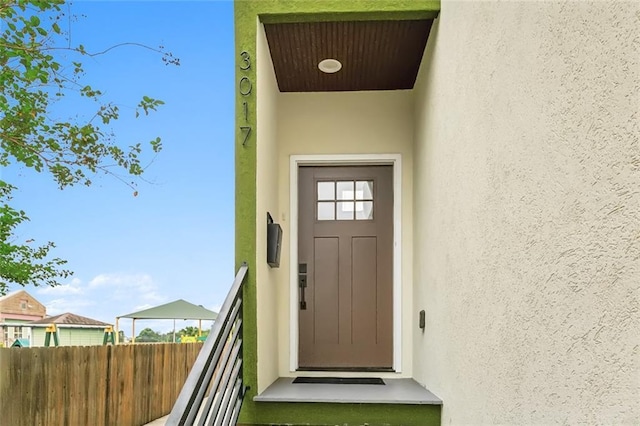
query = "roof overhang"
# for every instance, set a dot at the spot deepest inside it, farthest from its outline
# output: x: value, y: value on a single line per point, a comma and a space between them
x: 375, y: 54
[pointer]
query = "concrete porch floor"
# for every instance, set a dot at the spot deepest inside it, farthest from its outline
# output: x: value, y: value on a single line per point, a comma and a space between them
x: 394, y: 391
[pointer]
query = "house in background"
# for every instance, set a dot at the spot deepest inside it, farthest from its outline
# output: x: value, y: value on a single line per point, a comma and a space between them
x: 17, y: 310
x: 457, y: 186
x: 73, y: 330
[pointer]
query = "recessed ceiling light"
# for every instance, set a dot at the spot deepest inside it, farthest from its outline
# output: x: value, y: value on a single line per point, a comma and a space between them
x: 329, y: 66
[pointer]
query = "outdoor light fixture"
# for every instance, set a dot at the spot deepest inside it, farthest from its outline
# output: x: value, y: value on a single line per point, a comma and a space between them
x: 329, y: 66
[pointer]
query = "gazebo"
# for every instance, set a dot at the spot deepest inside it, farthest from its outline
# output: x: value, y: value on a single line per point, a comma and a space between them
x: 179, y: 309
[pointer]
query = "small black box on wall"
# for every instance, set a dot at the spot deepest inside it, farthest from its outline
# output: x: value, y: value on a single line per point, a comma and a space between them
x: 274, y: 242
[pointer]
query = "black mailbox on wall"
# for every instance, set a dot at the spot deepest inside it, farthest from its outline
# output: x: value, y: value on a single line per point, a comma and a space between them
x: 274, y: 241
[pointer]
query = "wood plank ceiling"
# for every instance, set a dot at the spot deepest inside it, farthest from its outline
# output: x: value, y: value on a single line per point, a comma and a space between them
x: 375, y: 55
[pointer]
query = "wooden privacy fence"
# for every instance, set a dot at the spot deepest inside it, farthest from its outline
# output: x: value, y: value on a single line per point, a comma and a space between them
x: 92, y: 385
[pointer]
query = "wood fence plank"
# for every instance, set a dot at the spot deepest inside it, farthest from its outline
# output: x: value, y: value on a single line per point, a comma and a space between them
x: 34, y: 381
x: 16, y: 377
x: 153, y: 350
x: 49, y: 404
x: 114, y: 415
x: 148, y: 390
x: 173, y: 377
x: 53, y: 378
x: 86, y: 389
x: 141, y: 388
x: 139, y: 383
x: 127, y: 387
x: 117, y: 388
x: 96, y: 382
x: 43, y: 388
x: 167, y: 376
x: 73, y: 387
x: 155, y: 400
x: 26, y: 387
x: 155, y: 380
x: 6, y: 405
x: 184, y: 368
x: 99, y: 381
x: 62, y: 369
x: 23, y: 387
x: 87, y: 364
x: 157, y: 407
x: 112, y: 391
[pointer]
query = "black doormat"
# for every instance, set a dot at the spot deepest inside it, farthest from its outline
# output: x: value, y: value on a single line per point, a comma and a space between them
x: 341, y: 380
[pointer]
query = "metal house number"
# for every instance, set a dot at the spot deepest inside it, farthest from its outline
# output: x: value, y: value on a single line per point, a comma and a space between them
x: 245, y: 87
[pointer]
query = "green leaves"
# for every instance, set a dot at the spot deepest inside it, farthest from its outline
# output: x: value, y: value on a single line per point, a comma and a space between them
x: 32, y: 77
x: 20, y: 262
x: 148, y: 104
x: 156, y: 145
x: 35, y: 72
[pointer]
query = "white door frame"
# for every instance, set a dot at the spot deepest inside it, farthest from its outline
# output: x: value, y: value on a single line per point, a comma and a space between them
x: 394, y: 160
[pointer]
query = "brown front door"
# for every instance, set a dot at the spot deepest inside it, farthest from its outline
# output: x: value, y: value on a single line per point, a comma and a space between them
x: 345, y: 276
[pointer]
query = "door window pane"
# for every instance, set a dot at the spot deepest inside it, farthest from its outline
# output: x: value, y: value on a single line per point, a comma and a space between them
x: 364, y: 210
x: 345, y: 210
x: 364, y: 190
x: 326, y: 211
x: 345, y: 190
x: 326, y: 191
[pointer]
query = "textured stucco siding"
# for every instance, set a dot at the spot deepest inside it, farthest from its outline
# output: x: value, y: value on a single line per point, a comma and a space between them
x: 267, y: 175
x: 527, y: 213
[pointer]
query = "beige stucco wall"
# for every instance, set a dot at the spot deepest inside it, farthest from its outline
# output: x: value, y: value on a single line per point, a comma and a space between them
x: 267, y: 178
x: 527, y: 208
x: 344, y: 123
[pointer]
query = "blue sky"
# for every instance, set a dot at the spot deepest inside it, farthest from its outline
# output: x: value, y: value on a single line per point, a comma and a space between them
x: 175, y: 239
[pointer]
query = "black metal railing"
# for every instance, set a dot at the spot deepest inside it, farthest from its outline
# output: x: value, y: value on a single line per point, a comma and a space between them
x: 213, y: 392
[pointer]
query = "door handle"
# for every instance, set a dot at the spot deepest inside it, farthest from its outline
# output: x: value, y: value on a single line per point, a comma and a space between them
x: 302, y: 283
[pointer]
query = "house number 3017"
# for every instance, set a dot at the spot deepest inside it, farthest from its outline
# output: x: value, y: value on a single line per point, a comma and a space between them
x: 245, y: 87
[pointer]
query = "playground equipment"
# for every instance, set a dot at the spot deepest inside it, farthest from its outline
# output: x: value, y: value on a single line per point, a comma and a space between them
x: 51, y: 330
x: 108, y: 336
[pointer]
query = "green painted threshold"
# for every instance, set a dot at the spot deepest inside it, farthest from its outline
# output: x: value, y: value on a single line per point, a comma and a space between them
x: 325, y: 414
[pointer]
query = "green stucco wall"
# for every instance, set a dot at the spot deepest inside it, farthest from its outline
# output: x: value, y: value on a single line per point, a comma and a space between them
x: 247, y: 14
x: 346, y: 414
